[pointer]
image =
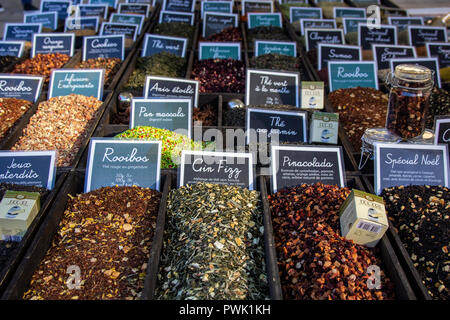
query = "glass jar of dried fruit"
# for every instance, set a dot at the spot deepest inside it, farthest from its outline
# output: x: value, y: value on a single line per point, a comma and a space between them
x: 410, y: 89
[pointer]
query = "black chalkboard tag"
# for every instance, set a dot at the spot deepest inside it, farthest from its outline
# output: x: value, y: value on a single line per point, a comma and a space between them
x: 406, y: 164
x: 256, y: 6
x: 113, y: 28
x: 93, y: 10
x: 419, y: 35
x: 155, y: 43
x: 269, y: 87
x: 113, y: 162
x: 430, y: 63
x: 403, y: 22
x: 275, y: 125
x: 294, y: 165
x: 442, y: 131
x: 171, y: 88
x: 336, y: 52
x: 184, y: 17
x: 440, y: 50
x: 44, y: 43
x: 21, y: 86
x: 11, y: 48
x: 104, y: 47
x: 138, y: 8
x: 316, y: 24
x: 235, y: 169
x: 367, y: 35
x: 384, y: 53
x: 31, y: 168
x: 21, y: 31
x: 179, y: 5
x: 315, y: 36
x: 215, y: 22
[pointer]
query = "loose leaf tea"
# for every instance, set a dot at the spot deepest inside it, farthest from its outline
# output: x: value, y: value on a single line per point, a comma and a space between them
x: 61, y: 123
x: 11, y: 110
x: 172, y: 143
x: 176, y: 29
x: 6, y: 62
x: 439, y: 105
x: 206, y: 114
x: 220, y: 75
x: 314, y: 260
x: 420, y: 215
x: 7, y: 248
x: 108, y: 234
x: 161, y: 64
x: 265, y: 33
x: 276, y: 61
x: 111, y: 66
x: 42, y: 64
x: 227, y: 35
x: 359, y: 109
x: 213, y: 245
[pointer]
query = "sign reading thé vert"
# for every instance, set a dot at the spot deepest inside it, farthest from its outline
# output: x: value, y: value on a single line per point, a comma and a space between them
x: 87, y: 82
x: 155, y: 43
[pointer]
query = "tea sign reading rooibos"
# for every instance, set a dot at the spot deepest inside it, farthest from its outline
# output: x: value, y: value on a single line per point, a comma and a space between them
x: 21, y: 87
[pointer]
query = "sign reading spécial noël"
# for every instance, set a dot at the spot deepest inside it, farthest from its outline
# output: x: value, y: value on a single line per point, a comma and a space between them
x: 155, y: 43
x: 235, y: 169
x: 87, y: 82
x: 171, y: 88
x: 351, y: 74
x: 404, y: 164
x: 63, y: 43
x: 113, y: 162
x: 29, y: 168
x: 104, y: 47
x: 11, y: 48
x: 294, y: 165
x: 21, y: 86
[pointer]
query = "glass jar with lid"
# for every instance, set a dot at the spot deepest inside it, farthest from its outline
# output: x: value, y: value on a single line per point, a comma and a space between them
x: 410, y: 90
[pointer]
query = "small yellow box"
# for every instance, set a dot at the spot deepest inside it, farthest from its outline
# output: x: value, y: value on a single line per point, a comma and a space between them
x: 17, y: 211
x: 363, y: 218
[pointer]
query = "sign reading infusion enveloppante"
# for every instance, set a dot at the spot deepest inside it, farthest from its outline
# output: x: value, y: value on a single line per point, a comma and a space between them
x: 410, y: 164
x: 87, y: 82
x: 114, y: 162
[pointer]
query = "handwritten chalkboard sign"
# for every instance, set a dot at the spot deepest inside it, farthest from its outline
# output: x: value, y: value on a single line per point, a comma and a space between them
x: 351, y: 24
x: 179, y: 5
x: 128, y: 19
x: 219, y: 50
x: 256, y: 6
x: 171, y: 88
x: 134, y: 8
x: 170, y: 114
x: 367, y: 35
x: 113, y: 28
x: 403, y: 22
x: 410, y: 164
x: 63, y: 43
x: 21, y: 87
x: 59, y: 6
x: 155, y: 43
x: 441, y: 51
x: 430, y: 63
x: 383, y: 54
x: 336, y: 52
x: 216, y: 6
x: 267, y: 87
x: 294, y: 165
x: 442, y: 131
x: 104, y: 47
x: 264, y: 20
x: 113, y: 162
x: 111, y: 3
x: 349, y: 74
x: 214, y: 22
x: 345, y: 12
x: 330, y: 36
x: 287, y: 48
x: 48, y: 19
x: 11, y: 48
x: 234, y: 169
x: 275, y: 125
x: 419, y: 35
x: 87, y: 82
x: 81, y: 23
x: 93, y: 10
x: 21, y: 31
x: 298, y: 13
x: 316, y: 24
x: 182, y: 17
x: 28, y: 168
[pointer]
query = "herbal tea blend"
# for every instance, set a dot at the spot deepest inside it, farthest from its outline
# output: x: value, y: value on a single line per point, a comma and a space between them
x: 213, y: 245
x: 278, y: 62
x: 6, y: 62
x: 227, y: 35
x: 439, y: 105
x: 176, y: 29
x: 314, y: 260
x: 420, y: 215
x: 111, y: 66
x: 206, y: 114
x: 220, y: 75
x: 108, y: 234
x: 11, y: 110
x: 265, y: 33
x: 42, y: 64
